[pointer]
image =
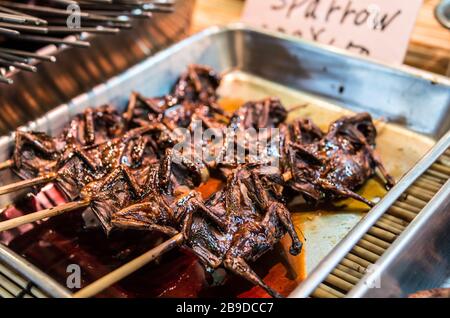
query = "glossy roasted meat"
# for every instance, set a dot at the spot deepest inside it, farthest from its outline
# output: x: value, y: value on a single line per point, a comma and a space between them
x: 198, y: 85
x: 142, y: 110
x: 136, y: 177
x: 119, y: 189
x: 265, y: 113
x: 94, y: 126
x: 139, y: 198
x: 193, y: 97
x: 35, y: 154
x: 339, y: 163
x: 248, y: 222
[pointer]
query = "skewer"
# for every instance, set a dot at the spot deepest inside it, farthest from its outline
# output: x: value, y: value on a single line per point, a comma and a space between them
x: 12, y: 18
x: 24, y: 27
x: 11, y: 287
x: 40, y: 9
x: 30, y: 17
x: 100, y: 29
x: 16, y: 186
x: 40, y: 215
x: 53, y: 40
x: 9, y: 32
x: 129, y: 268
x: 36, y: 56
x: 6, y: 164
x: 12, y: 57
x: 22, y: 66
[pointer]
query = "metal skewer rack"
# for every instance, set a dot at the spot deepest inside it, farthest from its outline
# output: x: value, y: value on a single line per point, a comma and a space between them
x: 44, y: 61
x: 405, y: 237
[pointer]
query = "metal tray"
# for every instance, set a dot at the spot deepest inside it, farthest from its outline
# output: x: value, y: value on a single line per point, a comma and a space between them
x: 413, y: 105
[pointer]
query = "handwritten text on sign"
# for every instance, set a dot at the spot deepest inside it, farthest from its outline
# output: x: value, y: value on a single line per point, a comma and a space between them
x: 375, y: 28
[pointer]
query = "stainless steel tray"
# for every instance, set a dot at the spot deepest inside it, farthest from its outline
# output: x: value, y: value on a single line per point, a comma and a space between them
x: 414, y: 103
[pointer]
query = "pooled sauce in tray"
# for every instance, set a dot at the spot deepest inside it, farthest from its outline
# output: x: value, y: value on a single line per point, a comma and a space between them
x: 62, y: 240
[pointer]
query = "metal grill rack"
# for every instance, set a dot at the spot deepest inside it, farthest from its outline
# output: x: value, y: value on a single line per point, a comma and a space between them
x: 27, y: 25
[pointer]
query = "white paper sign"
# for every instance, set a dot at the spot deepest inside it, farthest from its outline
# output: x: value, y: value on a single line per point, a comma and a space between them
x: 376, y: 28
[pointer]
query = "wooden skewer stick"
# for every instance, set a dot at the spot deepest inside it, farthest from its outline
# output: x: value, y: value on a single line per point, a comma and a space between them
x: 16, y: 186
x: 40, y: 215
x: 6, y: 164
x: 129, y: 268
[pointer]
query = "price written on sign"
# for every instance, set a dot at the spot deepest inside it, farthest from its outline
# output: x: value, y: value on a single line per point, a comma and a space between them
x: 376, y: 28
